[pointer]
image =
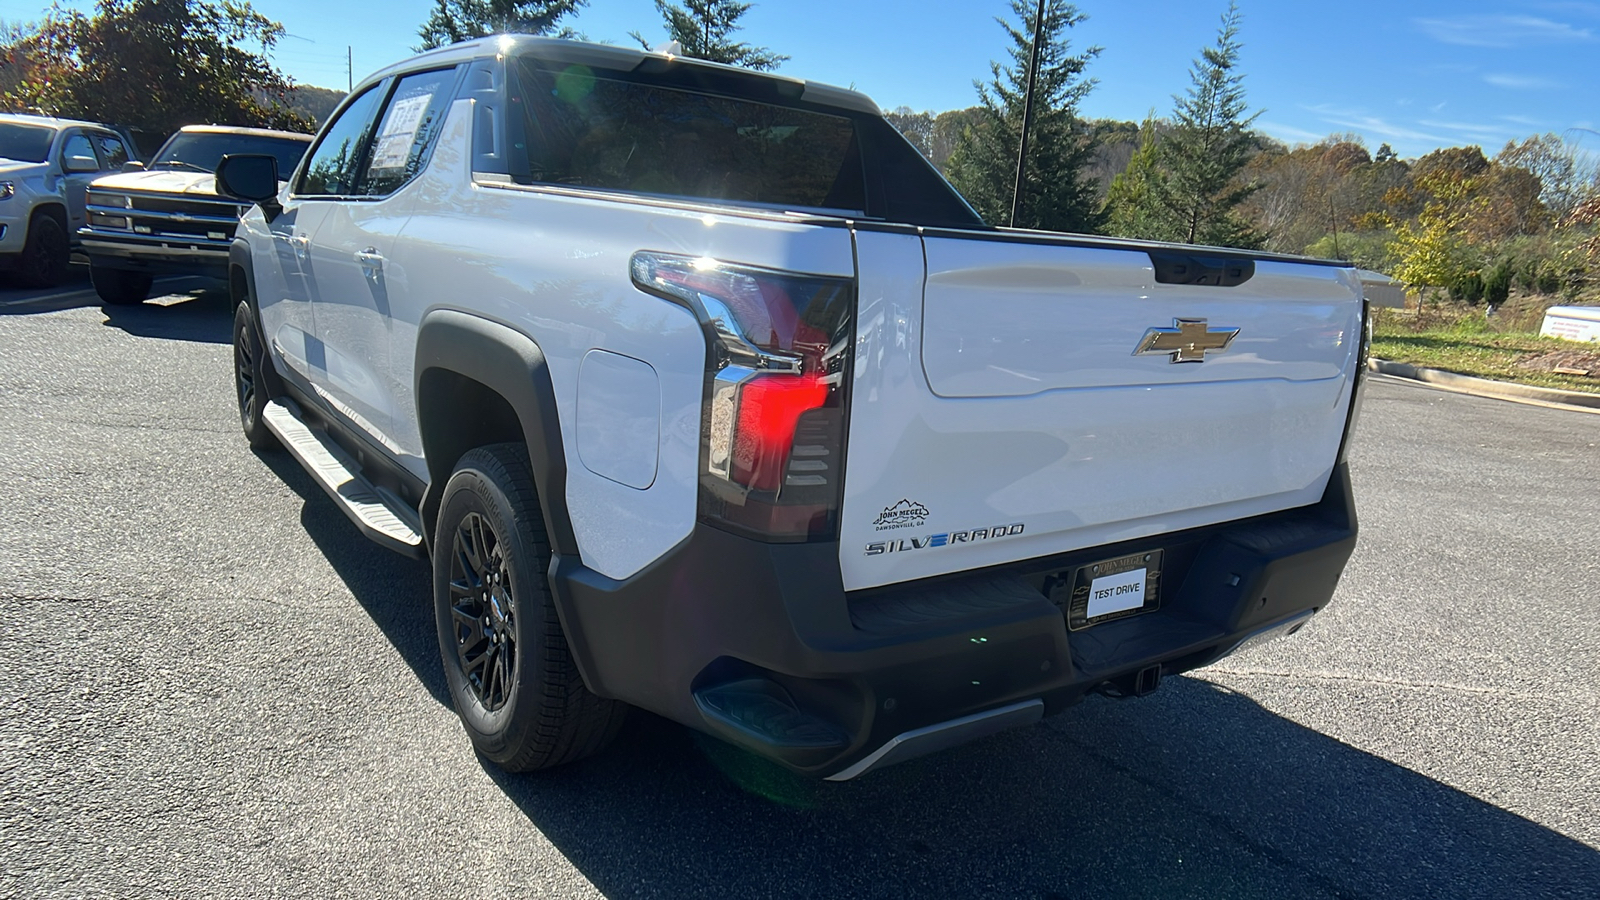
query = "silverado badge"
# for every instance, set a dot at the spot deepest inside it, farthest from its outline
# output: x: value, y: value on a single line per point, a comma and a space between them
x: 1187, y: 341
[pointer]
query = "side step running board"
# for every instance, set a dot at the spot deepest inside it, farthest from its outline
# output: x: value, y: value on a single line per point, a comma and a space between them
x: 380, y: 515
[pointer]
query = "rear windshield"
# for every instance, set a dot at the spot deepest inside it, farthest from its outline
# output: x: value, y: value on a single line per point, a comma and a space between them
x: 204, y: 150
x: 588, y: 130
x: 25, y: 143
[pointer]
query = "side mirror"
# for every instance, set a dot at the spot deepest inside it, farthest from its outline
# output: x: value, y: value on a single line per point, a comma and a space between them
x: 133, y: 165
x: 252, y: 177
x: 78, y: 164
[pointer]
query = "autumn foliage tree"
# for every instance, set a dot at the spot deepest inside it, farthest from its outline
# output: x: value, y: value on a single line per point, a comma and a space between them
x: 916, y: 126
x: 1432, y: 250
x: 156, y: 65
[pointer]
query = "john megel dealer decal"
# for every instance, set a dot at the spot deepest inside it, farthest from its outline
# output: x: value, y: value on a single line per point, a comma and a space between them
x: 905, y: 514
x: 945, y: 539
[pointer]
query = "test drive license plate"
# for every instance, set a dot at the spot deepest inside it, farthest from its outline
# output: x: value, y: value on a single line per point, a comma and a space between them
x: 1115, y: 589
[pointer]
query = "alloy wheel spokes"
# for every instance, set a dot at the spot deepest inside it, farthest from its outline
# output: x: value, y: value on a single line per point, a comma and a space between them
x: 243, y: 362
x: 482, y: 612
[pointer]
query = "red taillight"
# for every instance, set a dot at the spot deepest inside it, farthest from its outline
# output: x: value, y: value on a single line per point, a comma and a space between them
x: 769, y: 409
x: 773, y: 440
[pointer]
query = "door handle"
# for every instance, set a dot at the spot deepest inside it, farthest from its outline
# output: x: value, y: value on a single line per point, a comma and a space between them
x: 370, y: 258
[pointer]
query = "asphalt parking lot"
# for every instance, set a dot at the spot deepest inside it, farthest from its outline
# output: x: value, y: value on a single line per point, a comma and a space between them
x: 213, y: 686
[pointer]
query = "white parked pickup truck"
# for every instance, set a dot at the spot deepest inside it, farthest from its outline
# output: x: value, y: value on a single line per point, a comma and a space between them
x: 704, y: 393
x: 46, y: 165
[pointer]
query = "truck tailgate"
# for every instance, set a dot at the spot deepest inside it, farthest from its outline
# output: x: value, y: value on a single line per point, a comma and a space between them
x: 999, y: 411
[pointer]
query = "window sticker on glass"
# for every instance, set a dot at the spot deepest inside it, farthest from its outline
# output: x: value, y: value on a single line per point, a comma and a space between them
x: 399, y: 132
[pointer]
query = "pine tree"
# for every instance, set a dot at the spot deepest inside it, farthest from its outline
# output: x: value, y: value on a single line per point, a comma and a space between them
x: 703, y: 30
x: 1056, y: 194
x: 1136, y: 202
x: 462, y: 20
x: 1209, y: 147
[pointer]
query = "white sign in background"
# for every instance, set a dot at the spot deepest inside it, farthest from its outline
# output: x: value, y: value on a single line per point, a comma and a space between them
x: 1575, y: 323
x: 1115, y: 593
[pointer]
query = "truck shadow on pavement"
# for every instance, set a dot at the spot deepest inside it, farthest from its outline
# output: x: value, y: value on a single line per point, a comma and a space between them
x: 395, y: 591
x: 186, y: 308
x: 1195, y: 791
x: 202, y: 311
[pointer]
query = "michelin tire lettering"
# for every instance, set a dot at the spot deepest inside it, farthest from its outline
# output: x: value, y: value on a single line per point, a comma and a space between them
x: 944, y: 539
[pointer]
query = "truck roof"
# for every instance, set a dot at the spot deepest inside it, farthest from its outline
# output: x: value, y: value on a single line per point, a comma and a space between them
x: 239, y: 129
x: 52, y: 121
x: 608, y: 56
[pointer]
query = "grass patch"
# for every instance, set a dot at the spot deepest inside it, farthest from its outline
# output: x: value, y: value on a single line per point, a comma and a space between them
x: 1465, y: 342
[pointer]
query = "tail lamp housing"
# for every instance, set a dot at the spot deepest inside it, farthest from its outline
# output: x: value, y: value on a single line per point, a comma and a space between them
x: 1358, y: 390
x: 772, y: 434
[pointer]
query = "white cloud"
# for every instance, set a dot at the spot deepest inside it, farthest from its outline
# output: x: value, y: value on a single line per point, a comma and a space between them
x: 1359, y: 121
x: 1501, y: 31
x: 1471, y: 130
x: 1522, y: 120
x: 1521, y: 82
x: 1290, y: 134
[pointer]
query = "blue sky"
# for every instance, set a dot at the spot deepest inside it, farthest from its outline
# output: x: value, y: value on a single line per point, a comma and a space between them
x: 1417, y: 75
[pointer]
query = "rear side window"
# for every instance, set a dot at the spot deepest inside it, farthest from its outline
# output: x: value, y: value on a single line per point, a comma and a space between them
x: 586, y: 130
x: 112, y: 150
x: 410, y: 123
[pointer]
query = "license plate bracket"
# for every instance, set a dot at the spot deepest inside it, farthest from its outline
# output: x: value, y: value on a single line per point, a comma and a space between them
x: 1115, y: 588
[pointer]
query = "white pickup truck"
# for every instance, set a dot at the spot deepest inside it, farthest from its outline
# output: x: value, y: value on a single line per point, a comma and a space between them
x: 706, y: 394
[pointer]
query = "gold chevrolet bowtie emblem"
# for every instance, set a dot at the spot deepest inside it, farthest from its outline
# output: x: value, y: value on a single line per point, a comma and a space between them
x: 1187, y: 341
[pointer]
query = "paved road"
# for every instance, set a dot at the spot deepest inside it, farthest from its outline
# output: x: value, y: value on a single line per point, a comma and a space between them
x: 212, y: 686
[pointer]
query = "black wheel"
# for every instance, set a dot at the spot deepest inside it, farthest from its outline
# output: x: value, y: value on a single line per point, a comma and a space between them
x: 120, y: 287
x: 506, y: 659
x: 45, y: 253
x: 249, y: 387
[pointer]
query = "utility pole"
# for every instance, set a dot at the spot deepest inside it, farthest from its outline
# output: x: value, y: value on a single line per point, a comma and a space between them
x: 1027, y: 113
x: 1333, y: 217
x: 349, y: 68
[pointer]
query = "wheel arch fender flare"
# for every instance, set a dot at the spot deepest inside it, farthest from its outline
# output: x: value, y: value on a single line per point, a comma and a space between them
x: 55, y: 209
x: 242, y: 273
x: 466, y: 365
x: 239, y: 258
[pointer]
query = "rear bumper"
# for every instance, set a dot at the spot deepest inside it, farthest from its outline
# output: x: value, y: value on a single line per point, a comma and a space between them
x: 761, y: 645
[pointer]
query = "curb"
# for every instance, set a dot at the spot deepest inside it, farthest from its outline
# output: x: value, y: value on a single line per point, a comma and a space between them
x: 1485, y: 387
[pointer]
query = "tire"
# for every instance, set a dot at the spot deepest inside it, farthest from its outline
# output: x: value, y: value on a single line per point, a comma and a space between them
x: 248, y: 386
x: 506, y: 661
x: 45, y: 253
x: 120, y: 287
